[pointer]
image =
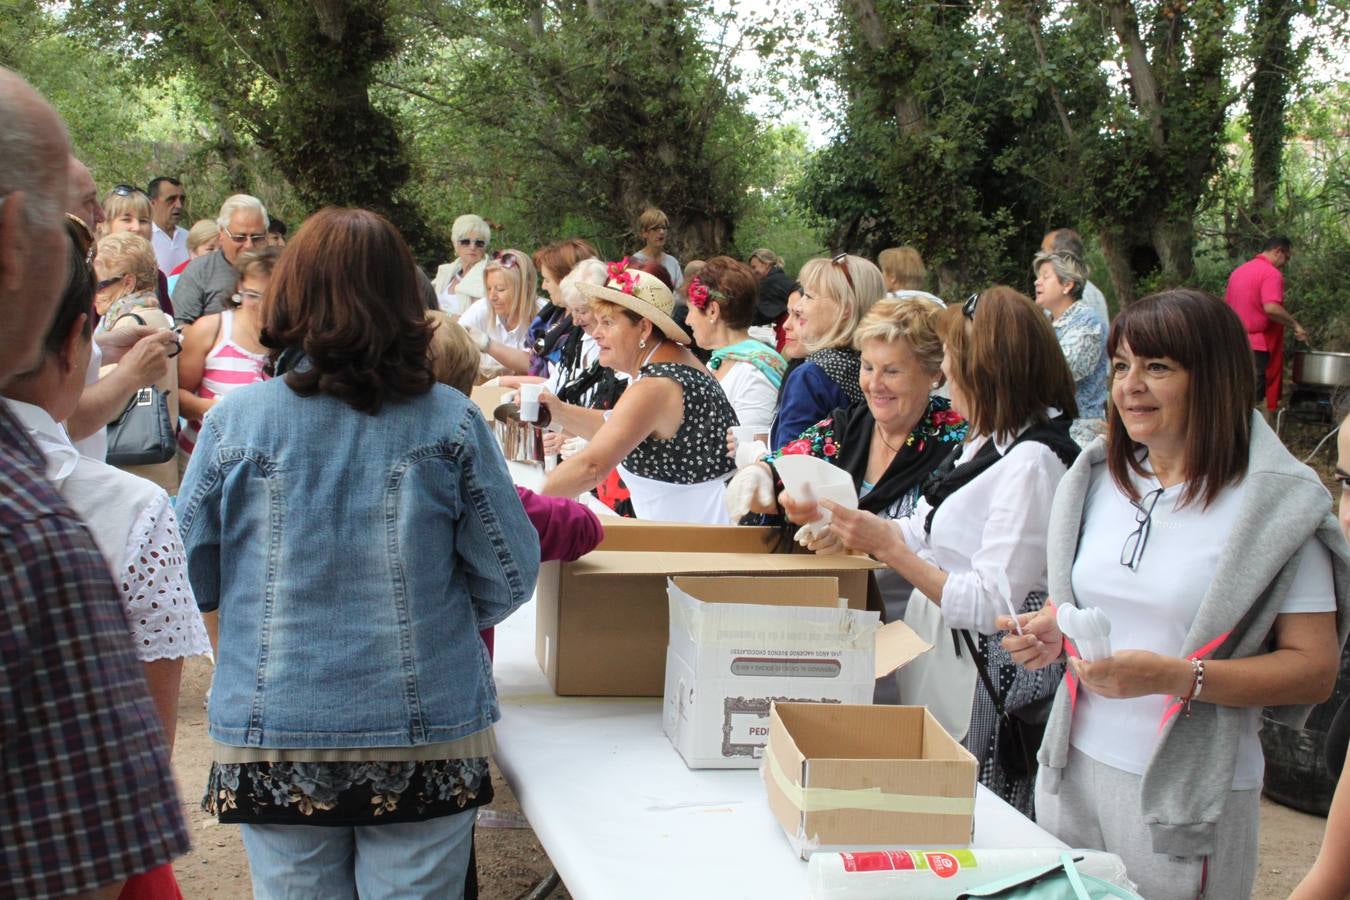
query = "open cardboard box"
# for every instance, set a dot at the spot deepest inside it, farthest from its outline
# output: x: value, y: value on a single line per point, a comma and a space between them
x: 856, y: 777
x: 602, y: 621
x: 739, y: 644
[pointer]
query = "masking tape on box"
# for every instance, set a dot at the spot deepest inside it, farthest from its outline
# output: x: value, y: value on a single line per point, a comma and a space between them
x: 821, y: 799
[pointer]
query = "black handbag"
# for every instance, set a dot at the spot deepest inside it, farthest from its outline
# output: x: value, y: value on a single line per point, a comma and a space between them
x: 1020, y: 731
x: 143, y: 434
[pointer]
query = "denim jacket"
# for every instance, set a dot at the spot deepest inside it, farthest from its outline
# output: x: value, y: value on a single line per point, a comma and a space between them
x: 354, y: 559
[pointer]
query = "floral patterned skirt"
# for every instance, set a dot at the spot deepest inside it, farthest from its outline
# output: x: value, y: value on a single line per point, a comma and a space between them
x: 345, y: 793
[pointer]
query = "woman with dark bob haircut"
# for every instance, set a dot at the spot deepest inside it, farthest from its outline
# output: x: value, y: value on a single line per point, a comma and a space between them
x: 355, y: 525
x: 974, y: 546
x: 1238, y: 602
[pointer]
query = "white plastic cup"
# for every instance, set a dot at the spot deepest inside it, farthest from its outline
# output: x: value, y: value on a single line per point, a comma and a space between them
x: 744, y: 434
x: 529, y: 401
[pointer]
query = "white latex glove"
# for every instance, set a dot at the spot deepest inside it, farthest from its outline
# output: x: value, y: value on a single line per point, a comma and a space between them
x: 511, y: 397
x: 824, y: 541
x: 480, y: 340
x: 764, y: 334
x: 751, y: 486
x: 572, y: 446
x: 750, y: 452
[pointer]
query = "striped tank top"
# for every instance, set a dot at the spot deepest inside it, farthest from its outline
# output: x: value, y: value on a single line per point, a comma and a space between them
x: 228, y: 367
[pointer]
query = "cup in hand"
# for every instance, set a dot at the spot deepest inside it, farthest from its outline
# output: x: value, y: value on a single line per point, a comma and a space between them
x: 529, y: 401
x: 744, y: 434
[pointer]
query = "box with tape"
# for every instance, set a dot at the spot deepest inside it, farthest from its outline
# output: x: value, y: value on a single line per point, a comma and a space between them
x: 844, y: 777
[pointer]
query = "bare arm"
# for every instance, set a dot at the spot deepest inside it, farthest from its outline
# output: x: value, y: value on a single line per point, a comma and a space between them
x: 650, y: 406
x: 517, y: 361
x: 197, y: 340
x: 104, y: 400
x: 579, y: 420
x: 1329, y: 878
x: 164, y: 677
x: 1277, y: 312
x: 1301, y: 669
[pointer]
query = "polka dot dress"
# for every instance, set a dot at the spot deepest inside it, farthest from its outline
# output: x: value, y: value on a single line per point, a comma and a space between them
x: 698, y: 451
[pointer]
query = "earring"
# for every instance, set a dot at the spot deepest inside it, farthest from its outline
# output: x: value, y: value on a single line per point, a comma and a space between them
x: 936, y: 385
x: 642, y: 344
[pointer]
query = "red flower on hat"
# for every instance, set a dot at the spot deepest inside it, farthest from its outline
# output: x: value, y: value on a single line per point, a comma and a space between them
x: 799, y: 447
x: 621, y: 277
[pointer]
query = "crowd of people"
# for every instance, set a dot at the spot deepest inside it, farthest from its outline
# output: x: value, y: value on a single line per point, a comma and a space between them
x: 333, y: 519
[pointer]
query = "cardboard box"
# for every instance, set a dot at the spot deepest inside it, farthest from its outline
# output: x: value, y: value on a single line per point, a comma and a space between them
x: 858, y: 777
x: 739, y: 644
x: 602, y: 621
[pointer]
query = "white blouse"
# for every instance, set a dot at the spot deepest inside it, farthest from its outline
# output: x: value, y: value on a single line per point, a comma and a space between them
x: 751, y: 393
x: 990, y: 536
x: 135, y: 529
x: 481, y: 316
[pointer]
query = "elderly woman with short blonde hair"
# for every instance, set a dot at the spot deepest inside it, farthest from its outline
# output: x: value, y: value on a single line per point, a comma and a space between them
x: 889, y: 444
x: 127, y: 275
x: 459, y: 282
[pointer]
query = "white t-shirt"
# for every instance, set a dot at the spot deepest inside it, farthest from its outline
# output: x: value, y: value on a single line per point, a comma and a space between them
x: 171, y: 250
x: 1153, y: 607
x: 95, y: 446
x: 751, y: 393
x: 481, y: 316
x: 671, y: 263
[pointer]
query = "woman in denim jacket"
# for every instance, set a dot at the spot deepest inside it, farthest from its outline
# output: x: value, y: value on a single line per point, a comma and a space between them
x: 356, y: 527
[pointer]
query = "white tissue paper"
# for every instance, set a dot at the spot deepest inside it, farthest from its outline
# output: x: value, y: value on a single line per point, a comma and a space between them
x: 806, y: 478
x: 1089, y: 629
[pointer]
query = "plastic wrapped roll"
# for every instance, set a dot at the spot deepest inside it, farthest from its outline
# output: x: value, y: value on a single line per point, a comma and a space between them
x: 939, y: 874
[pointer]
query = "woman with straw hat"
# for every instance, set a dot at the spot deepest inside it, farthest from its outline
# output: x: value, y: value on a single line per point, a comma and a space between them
x: 667, y: 434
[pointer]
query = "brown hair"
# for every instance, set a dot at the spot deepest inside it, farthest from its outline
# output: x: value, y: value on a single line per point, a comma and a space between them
x: 1207, y: 339
x: 651, y: 218
x: 256, y: 264
x: 561, y: 257
x: 454, y: 358
x: 905, y: 267
x: 1007, y: 362
x: 737, y: 284
x: 345, y: 292
x: 605, y: 308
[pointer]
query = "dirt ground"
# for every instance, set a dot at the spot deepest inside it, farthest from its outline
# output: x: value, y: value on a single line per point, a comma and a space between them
x: 510, y: 860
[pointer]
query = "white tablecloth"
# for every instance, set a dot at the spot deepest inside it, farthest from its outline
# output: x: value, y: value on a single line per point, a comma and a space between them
x: 619, y: 813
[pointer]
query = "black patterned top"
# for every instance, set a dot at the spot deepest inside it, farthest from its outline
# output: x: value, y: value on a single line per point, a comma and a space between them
x: 698, y: 450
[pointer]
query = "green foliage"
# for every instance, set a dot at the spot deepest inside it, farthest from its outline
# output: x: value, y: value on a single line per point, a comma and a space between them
x: 533, y: 115
x: 968, y: 129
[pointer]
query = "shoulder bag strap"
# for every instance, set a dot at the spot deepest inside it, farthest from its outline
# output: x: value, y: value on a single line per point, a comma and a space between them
x: 982, y: 669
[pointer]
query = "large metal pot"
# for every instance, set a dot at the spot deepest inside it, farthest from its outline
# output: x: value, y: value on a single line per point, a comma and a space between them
x: 1322, y: 368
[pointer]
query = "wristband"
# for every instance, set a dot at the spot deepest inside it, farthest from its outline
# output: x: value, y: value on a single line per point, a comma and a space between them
x: 485, y: 342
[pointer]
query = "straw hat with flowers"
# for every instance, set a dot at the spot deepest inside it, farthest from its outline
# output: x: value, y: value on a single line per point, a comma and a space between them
x: 641, y: 292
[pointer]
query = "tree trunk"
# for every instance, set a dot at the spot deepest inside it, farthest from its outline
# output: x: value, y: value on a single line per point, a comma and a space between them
x: 1116, y: 248
x: 1274, y: 71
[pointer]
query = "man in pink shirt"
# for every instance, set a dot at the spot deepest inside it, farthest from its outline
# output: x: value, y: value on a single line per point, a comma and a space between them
x: 1256, y: 293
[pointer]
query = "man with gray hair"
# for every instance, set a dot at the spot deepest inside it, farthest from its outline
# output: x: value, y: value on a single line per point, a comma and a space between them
x: 87, y: 798
x: 209, y: 280
x: 1066, y: 240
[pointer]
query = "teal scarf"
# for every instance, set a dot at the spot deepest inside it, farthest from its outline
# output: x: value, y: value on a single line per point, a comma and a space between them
x: 756, y: 353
